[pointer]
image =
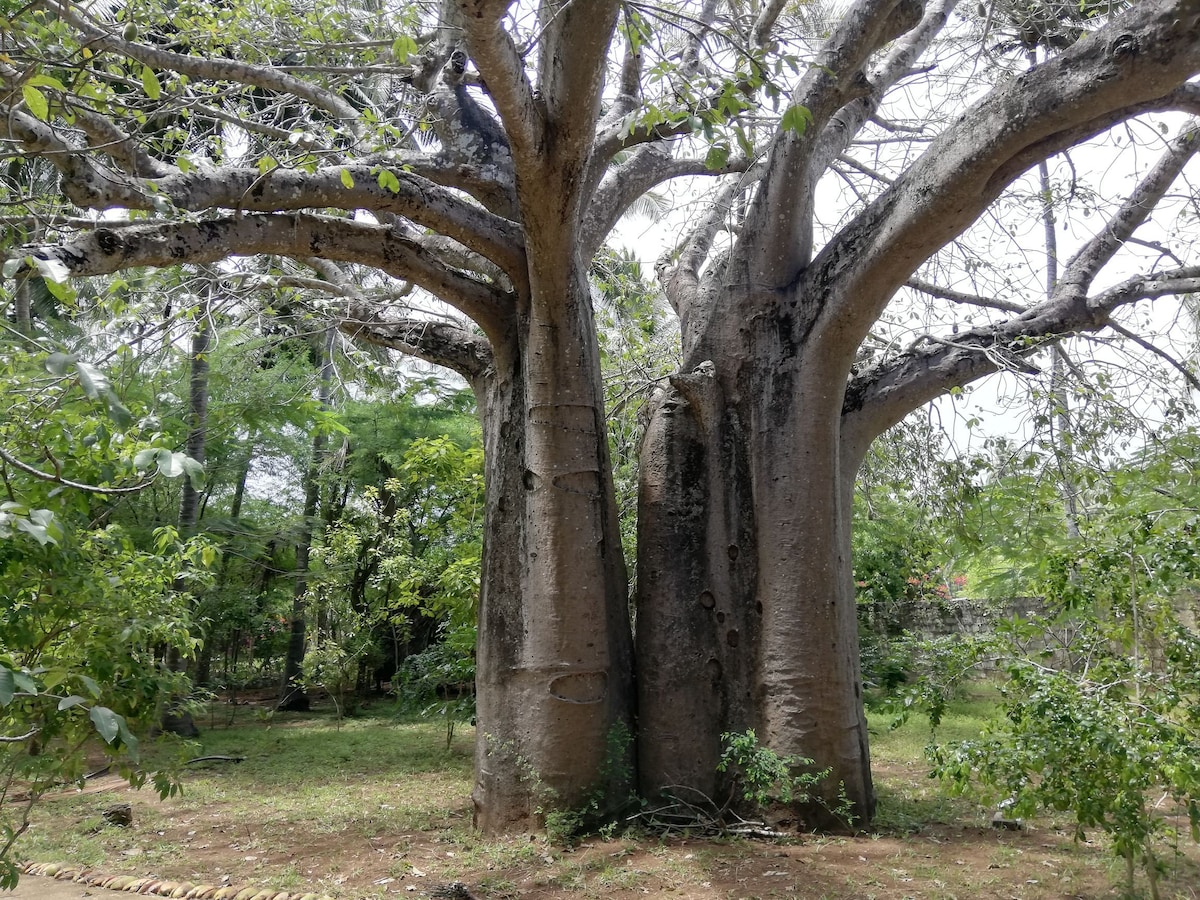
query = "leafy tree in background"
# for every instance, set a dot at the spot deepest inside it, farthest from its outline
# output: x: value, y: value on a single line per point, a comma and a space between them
x: 399, y: 566
x: 1099, y: 712
x: 482, y: 151
x: 87, y: 610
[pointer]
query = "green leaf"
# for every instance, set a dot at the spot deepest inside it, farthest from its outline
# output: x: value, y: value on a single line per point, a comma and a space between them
x: 94, y: 382
x: 70, y: 702
x: 39, y: 533
x: 150, y: 83
x: 718, y: 155
x: 90, y: 684
x: 60, y: 363
x: 404, y: 47
x: 347, y: 179
x: 38, y: 105
x: 11, y: 266
x: 61, y: 291
x: 24, y: 683
x: 171, y: 464
x: 143, y: 459
x: 194, y: 471
x: 117, y: 411
x: 107, y: 722
x: 130, y: 742
x: 47, y: 81
x: 7, y: 686
x: 797, y: 119
x: 388, y: 181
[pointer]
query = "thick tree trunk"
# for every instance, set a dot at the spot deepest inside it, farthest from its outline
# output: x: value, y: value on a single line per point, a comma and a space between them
x: 554, y: 668
x: 746, y: 612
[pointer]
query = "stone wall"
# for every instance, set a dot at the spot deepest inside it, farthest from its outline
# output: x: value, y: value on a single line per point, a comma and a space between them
x: 965, y: 615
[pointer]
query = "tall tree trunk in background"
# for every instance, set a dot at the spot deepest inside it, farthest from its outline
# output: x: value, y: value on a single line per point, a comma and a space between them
x: 292, y: 694
x: 189, y: 499
x: 23, y: 302
x: 197, y: 436
x: 1060, y: 413
x: 208, y: 647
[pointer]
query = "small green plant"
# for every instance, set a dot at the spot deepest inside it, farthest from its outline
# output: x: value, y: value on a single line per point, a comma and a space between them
x: 614, y: 793
x: 600, y: 811
x: 763, y: 777
x: 334, y: 668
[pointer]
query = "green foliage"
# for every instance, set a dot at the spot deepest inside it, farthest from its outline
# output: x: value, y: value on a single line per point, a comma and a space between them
x: 899, y: 547
x: 613, y: 795
x: 764, y: 778
x: 333, y: 667
x: 440, y: 681
x: 62, y: 685
x: 638, y: 349
x: 1101, y: 717
x: 88, y: 607
x: 410, y: 550
x: 935, y: 673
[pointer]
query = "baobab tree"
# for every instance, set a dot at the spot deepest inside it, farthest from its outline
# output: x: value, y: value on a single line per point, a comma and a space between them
x: 483, y: 151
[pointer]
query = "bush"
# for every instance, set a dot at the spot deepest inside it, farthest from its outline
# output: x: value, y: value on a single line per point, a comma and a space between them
x: 1108, y: 731
x: 440, y: 681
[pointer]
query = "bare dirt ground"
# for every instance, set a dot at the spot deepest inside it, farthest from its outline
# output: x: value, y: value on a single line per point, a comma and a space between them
x: 214, y: 846
x: 1037, y: 863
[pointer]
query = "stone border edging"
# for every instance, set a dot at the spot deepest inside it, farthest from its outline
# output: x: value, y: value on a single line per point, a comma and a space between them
x: 161, y: 887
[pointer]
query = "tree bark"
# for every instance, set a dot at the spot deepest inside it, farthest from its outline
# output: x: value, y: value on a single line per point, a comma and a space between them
x: 752, y: 624
x: 181, y: 722
x: 555, y: 662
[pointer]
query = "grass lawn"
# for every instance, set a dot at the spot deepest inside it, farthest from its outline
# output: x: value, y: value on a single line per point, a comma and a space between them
x: 379, y: 807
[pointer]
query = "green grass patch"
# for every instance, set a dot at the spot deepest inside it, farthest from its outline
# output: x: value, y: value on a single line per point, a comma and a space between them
x: 299, y: 777
x: 908, y: 798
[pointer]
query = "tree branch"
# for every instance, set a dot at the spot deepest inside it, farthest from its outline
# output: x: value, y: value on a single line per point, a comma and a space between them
x: 680, y: 277
x: 881, y: 396
x: 445, y: 344
x: 66, y: 482
x: 295, y: 235
x: 503, y: 70
x: 1081, y: 270
x: 613, y: 132
x: 777, y: 237
x: 1133, y: 65
x: 648, y: 167
x: 933, y: 290
x: 407, y: 194
x: 1191, y: 379
x: 571, y: 66
x: 265, y: 77
x: 104, y: 135
x: 441, y: 343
